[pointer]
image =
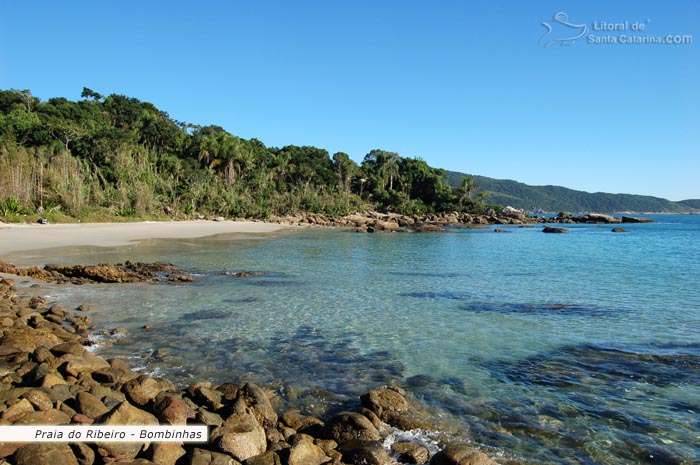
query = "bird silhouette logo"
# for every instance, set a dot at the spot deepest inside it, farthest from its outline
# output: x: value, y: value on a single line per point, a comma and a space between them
x: 561, y: 31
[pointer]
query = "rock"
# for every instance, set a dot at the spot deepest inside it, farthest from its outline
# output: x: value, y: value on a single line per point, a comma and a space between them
x: 144, y: 389
x: 209, y: 418
x: 16, y: 411
x: 207, y: 457
x: 83, y: 453
x: 364, y: 453
x: 305, y: 452
x: 90, y: 405
x: 202, y: 393
x: 499, y: 230
x: 619, y: 230
x: 298, y: 421
x: 81, y: 419
x: 241, y: 435
x: 384, y: 402
x: 268, y: 458
x: 259, y: 402
x: 600, y: 218
x: 631, y: 219
x: 85, y: 364
x: 461, y: 455
x: 181, y: 278
x: 39, y: 399
x: 408, y: 452
x: 347, y: 426
x: 85, y: 308
x: 72, y: 348
x: 123, y: 414
x: 166, y: 453
x: 45, y: 453
x: 219, y: 219
x: 390, y: 405
x: 38, y: 303
x: 380, y: 225
x: 549, y: 229
x: 51, y: 380
x: 45, y: 417
x: 171, y: 409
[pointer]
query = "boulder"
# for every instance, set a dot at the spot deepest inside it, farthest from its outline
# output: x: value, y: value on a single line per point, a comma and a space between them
x: 390, y: 405
x: 45, y: 453
x: 552, y: 230
x: 45, y: 417
x: 461, y: 455
x: 207, y: 457
x: 241, y: 435
x: 305, y: 452
x: 365, y: 453
x: 268, y: 458
x: 298, y: 421
x: 600, y: 218
x: 409, y: 452
x: 85, y: 364
x: 632, y: 219
x: 144, y: 389
x: 90, y: 405
x: 619, y: 230
x: 39, y: 399
x: 123, y: 414
x: 83, y: 452
x: 166, y: 453
x: 260, y: 404
x: 171, y: 409
x: 347, y: 426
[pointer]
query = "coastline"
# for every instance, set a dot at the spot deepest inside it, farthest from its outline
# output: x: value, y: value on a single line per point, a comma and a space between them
x: 244, y: 427
x: 16, y: 238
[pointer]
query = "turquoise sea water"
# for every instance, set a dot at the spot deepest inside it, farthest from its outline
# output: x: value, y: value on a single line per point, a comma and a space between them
x: 581, y: 348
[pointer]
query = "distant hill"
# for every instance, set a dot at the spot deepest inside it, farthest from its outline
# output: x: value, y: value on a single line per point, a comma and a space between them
x: 691, y: 203
x: 556, y: 198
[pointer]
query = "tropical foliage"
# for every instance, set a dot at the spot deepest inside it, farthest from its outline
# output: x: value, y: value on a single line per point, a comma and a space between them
x: 117, y: 156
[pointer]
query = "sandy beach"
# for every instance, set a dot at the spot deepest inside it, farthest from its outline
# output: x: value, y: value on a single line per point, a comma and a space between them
x: 21, y: 237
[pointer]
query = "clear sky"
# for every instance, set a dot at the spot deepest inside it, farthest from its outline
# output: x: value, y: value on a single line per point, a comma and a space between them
x: 467, y: 86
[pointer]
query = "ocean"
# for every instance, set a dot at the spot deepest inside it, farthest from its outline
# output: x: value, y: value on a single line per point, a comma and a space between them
x: 579, y: 348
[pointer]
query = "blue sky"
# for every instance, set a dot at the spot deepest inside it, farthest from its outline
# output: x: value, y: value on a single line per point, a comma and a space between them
x: 464, y: 85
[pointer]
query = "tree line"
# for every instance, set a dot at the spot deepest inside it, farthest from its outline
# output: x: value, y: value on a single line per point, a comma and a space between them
x: 116, y: 156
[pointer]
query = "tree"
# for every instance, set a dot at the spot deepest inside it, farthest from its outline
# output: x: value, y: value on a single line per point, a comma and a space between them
x: 91, y: 94
x: 345, y: 169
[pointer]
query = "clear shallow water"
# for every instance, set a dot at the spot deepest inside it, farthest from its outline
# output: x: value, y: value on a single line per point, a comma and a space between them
x: 581, y: 348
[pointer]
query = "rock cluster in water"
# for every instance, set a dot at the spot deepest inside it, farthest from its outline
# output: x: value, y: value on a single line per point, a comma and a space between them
x: 392, y: 222
x: 48, y: 377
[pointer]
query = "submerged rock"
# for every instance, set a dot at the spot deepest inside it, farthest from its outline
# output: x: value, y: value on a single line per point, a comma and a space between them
x: 461, y: 455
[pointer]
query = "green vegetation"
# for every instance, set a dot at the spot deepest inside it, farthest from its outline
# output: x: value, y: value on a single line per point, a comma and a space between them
x: 555, y: 198
x: 693, y: 204
x: 117, y: 157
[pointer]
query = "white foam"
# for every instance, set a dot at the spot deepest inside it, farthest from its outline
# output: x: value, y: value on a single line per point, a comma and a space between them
x: 421, y: 437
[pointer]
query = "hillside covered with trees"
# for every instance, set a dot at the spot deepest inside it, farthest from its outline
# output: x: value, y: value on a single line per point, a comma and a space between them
x: 557, y: 198
x: 112, y: 156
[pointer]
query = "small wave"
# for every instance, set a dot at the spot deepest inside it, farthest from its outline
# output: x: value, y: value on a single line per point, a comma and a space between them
x: 427, y: 439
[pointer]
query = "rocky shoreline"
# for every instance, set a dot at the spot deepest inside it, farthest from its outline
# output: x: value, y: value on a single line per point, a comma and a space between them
x: 49, y: 377
x: 372, y: 221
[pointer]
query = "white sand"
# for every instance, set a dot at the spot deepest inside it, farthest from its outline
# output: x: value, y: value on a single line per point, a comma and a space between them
x: 20, y: 237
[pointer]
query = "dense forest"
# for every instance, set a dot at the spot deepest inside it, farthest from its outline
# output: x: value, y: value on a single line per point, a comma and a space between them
x: 557, y: 198
x: 118, y: 157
